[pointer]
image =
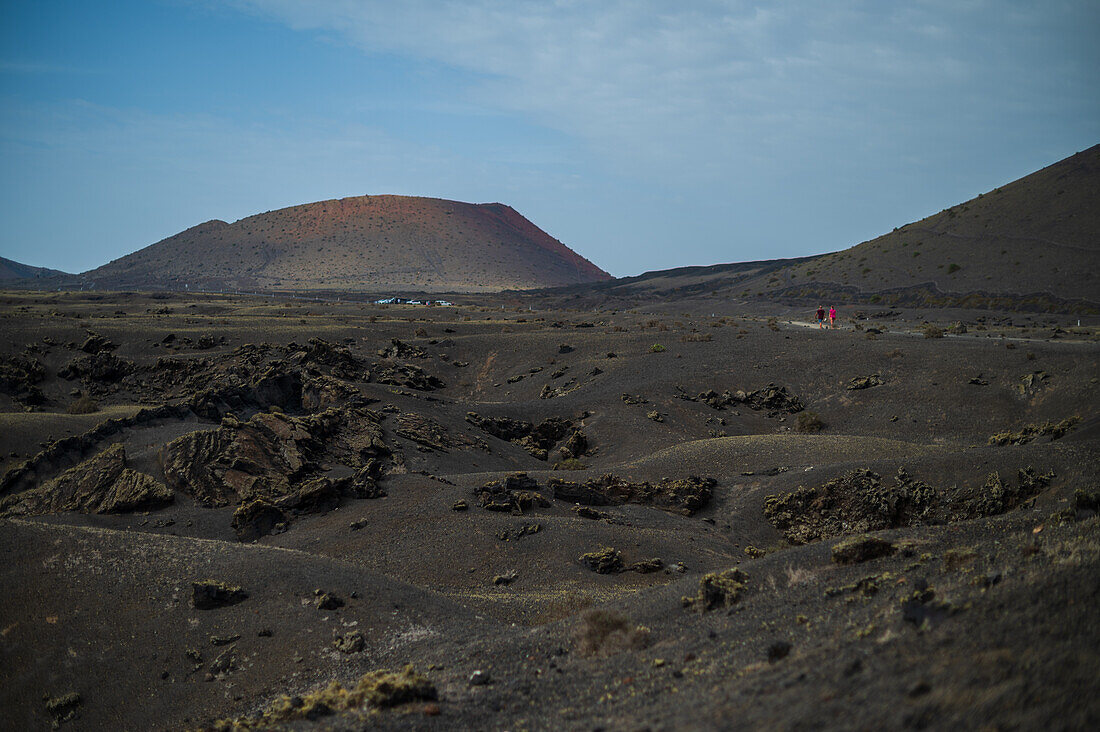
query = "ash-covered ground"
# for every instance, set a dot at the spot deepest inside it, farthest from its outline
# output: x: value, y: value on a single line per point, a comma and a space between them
x: 472, y: 517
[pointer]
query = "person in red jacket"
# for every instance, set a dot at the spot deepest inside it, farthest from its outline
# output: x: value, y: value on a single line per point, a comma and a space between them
x: 832, y: 317
x: 821, y: 316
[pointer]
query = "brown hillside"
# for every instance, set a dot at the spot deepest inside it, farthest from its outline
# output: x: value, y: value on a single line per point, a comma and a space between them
x: 1039, y: 235
x: 1031, y: 245
x: 366, y: 243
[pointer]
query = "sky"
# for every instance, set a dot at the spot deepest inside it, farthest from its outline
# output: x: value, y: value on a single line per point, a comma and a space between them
x: 644, y: 134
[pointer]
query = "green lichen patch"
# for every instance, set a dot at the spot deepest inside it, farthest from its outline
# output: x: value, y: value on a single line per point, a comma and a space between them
x: 605, y: 560
x: 1031, y: 432
x: 375, y: 690
x: 718, y: 590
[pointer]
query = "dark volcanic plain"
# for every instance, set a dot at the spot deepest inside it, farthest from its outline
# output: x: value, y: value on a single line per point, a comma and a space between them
x: 214, y: 507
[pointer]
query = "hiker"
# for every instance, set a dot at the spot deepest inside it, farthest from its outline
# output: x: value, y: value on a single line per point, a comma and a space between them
x: 821, y: 317
x: 832, y: 317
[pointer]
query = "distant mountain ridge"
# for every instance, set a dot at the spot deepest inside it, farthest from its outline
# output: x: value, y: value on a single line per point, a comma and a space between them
x: 11, y: 270
x: 364, y: 243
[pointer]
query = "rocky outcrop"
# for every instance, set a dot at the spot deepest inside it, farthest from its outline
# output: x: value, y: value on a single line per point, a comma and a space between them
x: 684, y: 496
x: 101, y: 484
x: 772, y: 398
x: 269, y: 455
x: 718, y: 590
x: 102, y: 367
x: 323, y: 357
x: 400, y: 349
x: 516, y: 494
x: 864, y: 382
x: 432, y: 435
x: 19, y: 376
x: 537, y: 439
x: 408, y: 375
x: 861, y: 501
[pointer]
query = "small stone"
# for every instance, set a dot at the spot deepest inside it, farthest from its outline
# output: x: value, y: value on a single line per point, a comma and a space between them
x: 778, y: 650
x: 353, y: 642
x: 479, y: 678
x: 506, y: 579
x: 224, y: 640
x: 210, y: 594
x: 460, y: 506
x: 327, y: 600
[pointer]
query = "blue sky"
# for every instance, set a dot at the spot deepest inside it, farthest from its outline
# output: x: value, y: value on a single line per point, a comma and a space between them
x: 644, y: 134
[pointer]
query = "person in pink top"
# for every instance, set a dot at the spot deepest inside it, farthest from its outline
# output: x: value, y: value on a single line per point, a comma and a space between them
x: 832, y: 317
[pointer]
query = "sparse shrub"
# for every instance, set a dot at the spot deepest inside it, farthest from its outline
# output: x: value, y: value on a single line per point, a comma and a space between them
x: 809, y: 422
x: 84, y: 405
x: 1029, y: 356
x: 953, y: 268
x: 798, y: 576
x: 604, y: 632
x: 421, y: 333
x: 696, y: 338
x: 657, y: 348
x: 931, y: 330
x: 773, y: 323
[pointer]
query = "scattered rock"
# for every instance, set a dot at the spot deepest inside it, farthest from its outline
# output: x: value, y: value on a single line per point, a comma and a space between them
x: 211, y: 594
x: 256, y: 519
x: 327, y: 600
x: 398, y: 349
x: 588, y: 513
x: 524, y: 530
x: 96, y: 343
x: 479, y: 678
x: 718, y: 590
x: 772, y: 398
x: 349, y: 643
x: 433, y: 435
x: 224, y: 640
x: 684, y: 496
x: 1031, y: 432
x: 864, y: 382
x: 64, y: 708
x: 460, y: 506
x: 861, y: 548
x: 655, y: 416
x: 605, y: 560
x: 101, y: 484
x: 647, y: 566
x: 778, y: 651
x: 102, y: 367
x: 408, y: 375
x: 516, y: 494
x: 506, y: 579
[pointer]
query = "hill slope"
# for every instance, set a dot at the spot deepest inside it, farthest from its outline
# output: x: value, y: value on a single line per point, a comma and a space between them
x: 365, y: 243
x: 1037, y: 236
x: 12, y: 270
x: 1033, y: 244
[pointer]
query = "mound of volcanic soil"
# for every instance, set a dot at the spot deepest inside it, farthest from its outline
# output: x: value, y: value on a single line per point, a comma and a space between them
x: 366, y: 243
